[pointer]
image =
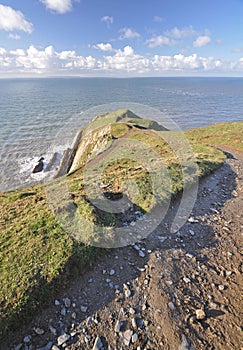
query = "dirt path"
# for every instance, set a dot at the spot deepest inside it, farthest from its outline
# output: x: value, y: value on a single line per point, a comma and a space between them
x: 171, y: 291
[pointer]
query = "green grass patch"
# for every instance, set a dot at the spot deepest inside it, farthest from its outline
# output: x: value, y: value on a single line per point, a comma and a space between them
x: 220, y: 134
x: 38, y: 255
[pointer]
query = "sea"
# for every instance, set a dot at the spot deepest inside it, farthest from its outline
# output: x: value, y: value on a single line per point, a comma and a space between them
x: 40, y: 117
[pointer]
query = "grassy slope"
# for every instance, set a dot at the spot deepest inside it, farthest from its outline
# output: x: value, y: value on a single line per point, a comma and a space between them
x: 37, y: 256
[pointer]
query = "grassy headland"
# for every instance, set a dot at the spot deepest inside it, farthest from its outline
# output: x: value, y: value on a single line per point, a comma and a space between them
x: 38, y: 255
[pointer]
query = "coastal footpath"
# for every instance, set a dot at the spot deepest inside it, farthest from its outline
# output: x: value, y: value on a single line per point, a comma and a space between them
x: 166, y: 290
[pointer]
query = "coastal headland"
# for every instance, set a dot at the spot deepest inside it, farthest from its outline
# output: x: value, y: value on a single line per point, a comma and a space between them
x: 77, y: 274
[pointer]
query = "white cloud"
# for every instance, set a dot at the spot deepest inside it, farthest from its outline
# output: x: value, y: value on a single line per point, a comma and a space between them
x: 159, y: 41
x: 108, y: 20
x: 202, y: 40
x: 128, y: 33
x: 14, y: 36
x: 157, y: 19
x: 11, y: 19
x: 125, y: 60
x: 103, y: 47
x: 59, y: 6
x: 170, y: 37
x: 177, y: 33
x: 48, y: 61
x: 238, y: 49
x: 190, y: 63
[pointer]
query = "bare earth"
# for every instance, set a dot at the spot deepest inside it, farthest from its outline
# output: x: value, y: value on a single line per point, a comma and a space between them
x: 171, y: 291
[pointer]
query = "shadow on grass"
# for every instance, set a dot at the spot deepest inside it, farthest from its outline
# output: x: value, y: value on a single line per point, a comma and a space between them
x: 84, y: 260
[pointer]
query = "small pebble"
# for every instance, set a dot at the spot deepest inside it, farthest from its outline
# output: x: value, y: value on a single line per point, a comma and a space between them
x: 171, y: 306
x: 39, y: 331
x: 63, y: 339
x: 27, y: 339
x: 118, y: 326
x: 84, y: 308
x: 134, y: 338
x: 186, y: 280
x: 221, y: 287
x: 200, y: 314
x: 67, y: 302
x: 53, y: 330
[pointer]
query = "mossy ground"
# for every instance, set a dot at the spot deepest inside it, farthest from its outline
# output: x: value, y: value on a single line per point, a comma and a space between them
x: 38, y: 256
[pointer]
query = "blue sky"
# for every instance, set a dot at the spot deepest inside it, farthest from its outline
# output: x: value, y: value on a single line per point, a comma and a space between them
x: 121, y: 38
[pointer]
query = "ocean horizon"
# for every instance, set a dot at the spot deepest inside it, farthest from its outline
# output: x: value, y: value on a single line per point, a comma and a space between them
x: 40, y: 116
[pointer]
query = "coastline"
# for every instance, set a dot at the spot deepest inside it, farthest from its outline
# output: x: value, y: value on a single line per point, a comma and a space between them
x: 48, y: 247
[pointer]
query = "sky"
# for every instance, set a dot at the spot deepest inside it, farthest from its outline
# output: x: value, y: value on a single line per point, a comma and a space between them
x: 128, y: 38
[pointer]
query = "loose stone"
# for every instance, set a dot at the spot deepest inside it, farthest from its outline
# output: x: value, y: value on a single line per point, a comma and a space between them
x: 192, y: 220
x: 184, y: 344
x: 134, y: 323
x: 127, y: 337
x: 221, y: 287
x: 132, y: 311
x: 136, y: 247
x: 200, y: 314
x: 118, y: 326
x: 186, y: 280
x: 27, y: 339
x: 39, y: 331
x: 84, y: 309
x: 63, y: 338
x: 53, y: 330
x: 127, y: 291
x: 98, y: 345
x: 63, y: 311
x: 55, y: 347
x: 134, y: 338
x: 171, y: 306
x: 67, y: 302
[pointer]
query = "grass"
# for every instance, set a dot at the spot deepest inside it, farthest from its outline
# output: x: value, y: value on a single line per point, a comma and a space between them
x: 39, y: 248
x: 220, y: 135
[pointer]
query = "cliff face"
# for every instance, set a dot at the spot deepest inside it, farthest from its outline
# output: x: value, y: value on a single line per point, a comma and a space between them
x: 91, y: 145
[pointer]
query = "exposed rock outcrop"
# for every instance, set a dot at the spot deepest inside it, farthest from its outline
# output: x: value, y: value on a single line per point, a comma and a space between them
x: 97, y: 136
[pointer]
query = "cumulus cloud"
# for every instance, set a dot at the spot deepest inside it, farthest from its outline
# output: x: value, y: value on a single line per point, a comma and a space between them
x: 202, y: 40
x: 11, y: 19
x: 125, y: 60
x: 159, y: 41
x: 171, y: 37
x: 103, y: 47
x: 108, y: 20
x: 178, y: 33
x: 180, y: 62
x: 48, y: 61
x: 128, y: 33
x: 59, y: 6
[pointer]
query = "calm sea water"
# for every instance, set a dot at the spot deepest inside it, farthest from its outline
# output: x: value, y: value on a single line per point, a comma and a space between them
x: 41, y: 116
